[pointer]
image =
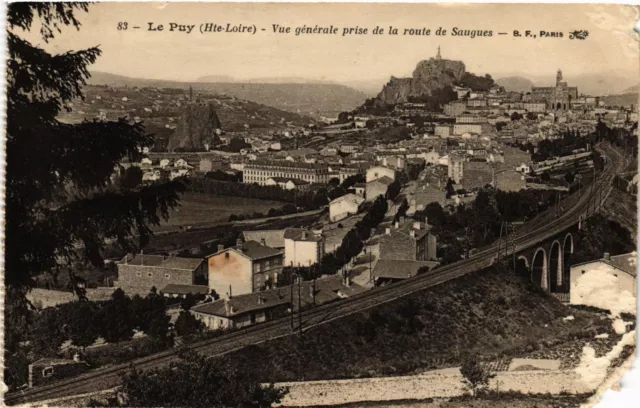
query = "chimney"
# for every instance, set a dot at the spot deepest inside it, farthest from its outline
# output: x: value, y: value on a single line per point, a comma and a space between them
x: 220, y: 247
x: 397, y: 225
x: 412, y: 233
x: 607, y: 256
x: 76, y: 357
x: 387, y: 231
x: 304, y: 235
x: 227, y: 307
x: 239, y: 244
x: 263, y: 241
x: 416, y: 225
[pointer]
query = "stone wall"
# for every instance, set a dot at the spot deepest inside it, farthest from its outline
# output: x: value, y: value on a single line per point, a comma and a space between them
x: 43, y: 298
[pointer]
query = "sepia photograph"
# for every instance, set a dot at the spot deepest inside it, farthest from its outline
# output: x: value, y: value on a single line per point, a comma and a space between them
x: 358, y: 205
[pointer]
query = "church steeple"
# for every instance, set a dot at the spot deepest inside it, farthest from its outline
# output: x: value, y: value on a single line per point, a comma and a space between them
x: 558, y: 77
x: 438, y: 56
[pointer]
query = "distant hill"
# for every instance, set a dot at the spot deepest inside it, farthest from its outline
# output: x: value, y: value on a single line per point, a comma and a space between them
x: 303, y: 98
x: 515, y: 84
x: 163, y: 110
x: 633, y: 89
x: 216, y: 78
x: 595, y: 84
x: 626, y: 99
x: 271, y: 80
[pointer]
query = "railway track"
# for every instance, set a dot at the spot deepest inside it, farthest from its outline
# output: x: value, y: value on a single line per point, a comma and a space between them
x: 543, y: 227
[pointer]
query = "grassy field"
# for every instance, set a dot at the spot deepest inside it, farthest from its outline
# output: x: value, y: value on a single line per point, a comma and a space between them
x: 208, y: 209
x: 490, y: 313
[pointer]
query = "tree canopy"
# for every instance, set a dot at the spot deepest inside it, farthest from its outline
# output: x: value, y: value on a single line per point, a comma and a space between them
x: 62, y: 199
x: 61, y: 204
x: 198, y: 381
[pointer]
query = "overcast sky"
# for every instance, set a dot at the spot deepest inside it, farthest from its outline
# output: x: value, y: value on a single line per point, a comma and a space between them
x: 611, y: 44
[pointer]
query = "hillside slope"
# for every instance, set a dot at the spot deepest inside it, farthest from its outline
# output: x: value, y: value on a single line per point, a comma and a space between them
x: 490, y: 313
x: 304, y: 98
x: 161, y: 109
x: 621, y: 100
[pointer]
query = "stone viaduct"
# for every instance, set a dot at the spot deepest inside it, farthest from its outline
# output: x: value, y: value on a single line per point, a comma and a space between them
x: 547, y: 263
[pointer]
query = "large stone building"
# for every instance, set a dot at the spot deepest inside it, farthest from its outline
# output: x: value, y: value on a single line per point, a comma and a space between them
x: 477, y: 174
x: 557, y: 97
x: 411, y: 241
x: 260, y: 172
x: 246, y: 268
x: 137, y: 274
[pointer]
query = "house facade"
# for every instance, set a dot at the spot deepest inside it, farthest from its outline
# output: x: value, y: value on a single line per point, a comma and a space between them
x: 137, y: 274
x: 259, y: 172
x: 377, y: 172
x: 246, y: 268
x: 377, y: 188
x: 603, y: 278
x: 302, y: 247
x: 345, y: 206
x: 411, y: 241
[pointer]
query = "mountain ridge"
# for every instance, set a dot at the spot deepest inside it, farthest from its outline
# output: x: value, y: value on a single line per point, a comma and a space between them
x: 304, y: 98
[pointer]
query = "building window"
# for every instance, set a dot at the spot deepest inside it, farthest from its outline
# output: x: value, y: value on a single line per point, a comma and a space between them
x: 138, y: 274
x: 47, y: 372
x: 149, y: 274
x: 167, y: 276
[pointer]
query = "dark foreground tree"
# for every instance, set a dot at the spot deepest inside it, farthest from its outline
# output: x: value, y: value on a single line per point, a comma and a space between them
x: 197, y: 381
x: 61, y: 203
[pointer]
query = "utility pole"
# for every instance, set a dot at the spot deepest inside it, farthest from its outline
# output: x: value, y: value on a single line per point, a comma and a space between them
x: 291, y: 298
x: 300, y: 306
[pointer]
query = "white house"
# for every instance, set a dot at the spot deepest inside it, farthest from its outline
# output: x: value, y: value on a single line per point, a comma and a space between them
x: 524, y: 168
x: 431, y: 157
x: 377, y: 172
x: 178, y: 173
x: 302, y: 248
x: 146, y: 162
x: 181, y: 163
x: 343, y: 207
x: 153, y: 175
x: 287, y: 183
x: 164, y: 163
x: 608, y: 283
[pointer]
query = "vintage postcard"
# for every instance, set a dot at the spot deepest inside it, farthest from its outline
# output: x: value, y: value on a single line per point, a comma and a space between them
x: 319, y: 204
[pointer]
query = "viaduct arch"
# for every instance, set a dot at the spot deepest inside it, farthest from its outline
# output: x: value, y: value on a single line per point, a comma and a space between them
x: 548, y: 264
